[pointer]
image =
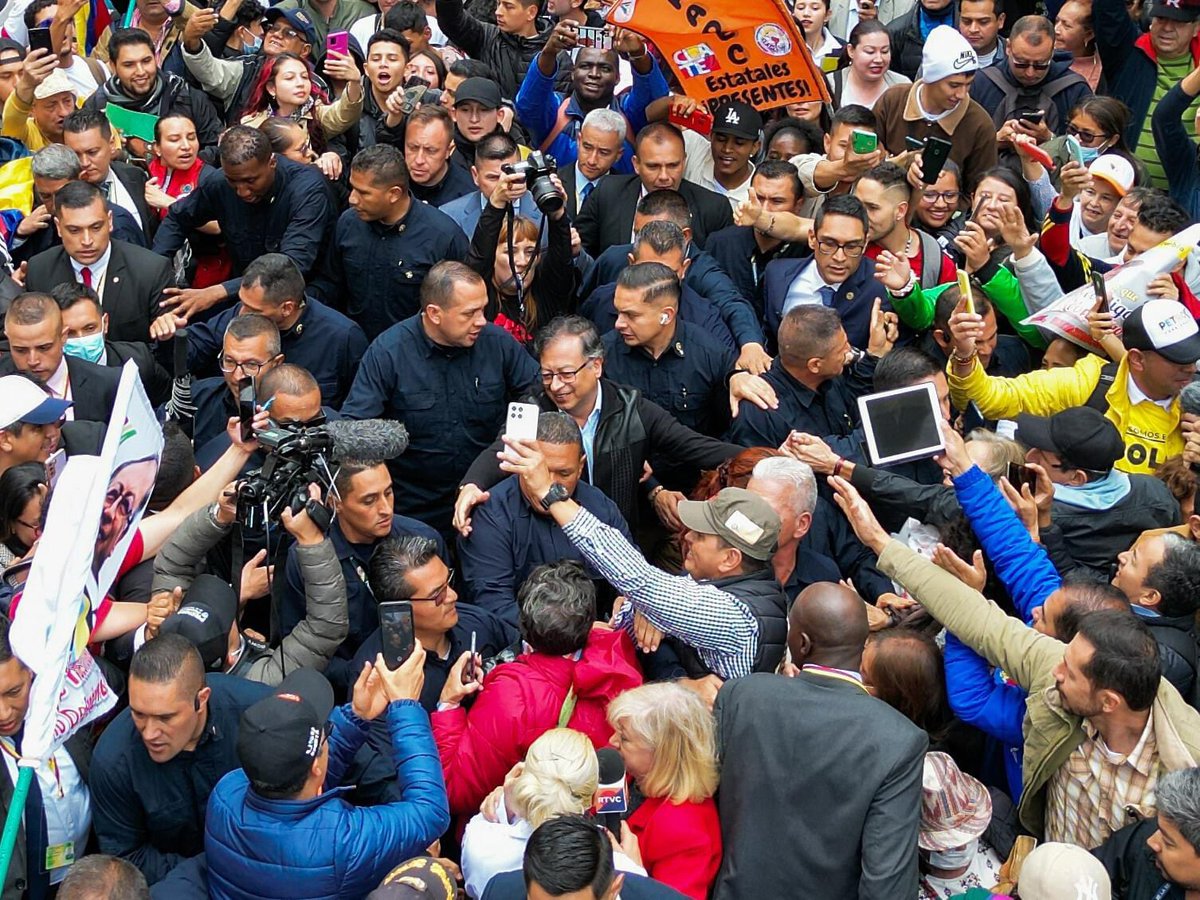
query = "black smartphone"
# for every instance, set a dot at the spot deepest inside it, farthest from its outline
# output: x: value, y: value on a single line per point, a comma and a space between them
x: 933, y: 158
x: 913, y: 143
x: 470, y: 667
x: 1019, y: 475
x: 246, y: 404
x: 1101, y: 290
x: 39, y: 39
x: 1032, y: 116
x: 396, y: 631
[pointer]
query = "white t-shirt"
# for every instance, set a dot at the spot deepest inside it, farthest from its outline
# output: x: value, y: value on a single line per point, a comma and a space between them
x: 79, y: 73
x: 364, y: 29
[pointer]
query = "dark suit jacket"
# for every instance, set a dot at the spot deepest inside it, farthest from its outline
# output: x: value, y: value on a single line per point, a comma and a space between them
x: 853, y: 299
x: 79, y: 748
x: 124, y: 228
x: 134, y: 180
x: 607, y: 214
x: 849, y: 814
x: 567, y: 175
x: 155, y: 379
x: 511, y: 886
x: 134, y: 284
x: 93, y: 387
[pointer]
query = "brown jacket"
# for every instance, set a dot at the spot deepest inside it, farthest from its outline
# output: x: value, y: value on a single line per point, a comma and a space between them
x: 969, y: 129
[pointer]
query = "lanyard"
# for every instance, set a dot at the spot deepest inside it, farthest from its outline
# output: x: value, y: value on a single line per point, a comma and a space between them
x: 11, y: 752
x: 833, y: 673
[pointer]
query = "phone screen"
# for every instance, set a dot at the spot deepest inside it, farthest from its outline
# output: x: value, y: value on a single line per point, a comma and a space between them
x: 246, y: 404
x: 1019, y: 475
x: 1101, y: 290
x: 396, y: 631
x: 39, y: 39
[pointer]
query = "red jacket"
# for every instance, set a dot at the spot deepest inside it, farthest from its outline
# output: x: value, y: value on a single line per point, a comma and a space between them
x: 520, y: 701
x: 680, y: 843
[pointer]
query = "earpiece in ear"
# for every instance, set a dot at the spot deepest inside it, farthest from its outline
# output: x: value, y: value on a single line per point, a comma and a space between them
x: 664, y: 318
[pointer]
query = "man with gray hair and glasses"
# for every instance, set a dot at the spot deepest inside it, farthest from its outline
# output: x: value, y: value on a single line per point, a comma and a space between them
x: 53, y: 167
x: 1158, y: 858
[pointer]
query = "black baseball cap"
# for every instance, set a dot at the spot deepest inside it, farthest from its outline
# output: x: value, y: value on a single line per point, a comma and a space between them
x: 737, y: 118
x: 281, y: 735
x: 1081, y: 436
x: 1179, y: 10
x: 483, y: 91
x: 208, y: 612
x: 1164, y: 327
x: 10, y: 51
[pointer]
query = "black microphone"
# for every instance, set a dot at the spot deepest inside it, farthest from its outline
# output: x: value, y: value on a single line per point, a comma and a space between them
x: 366, y: 439
x: 181, y: 353
x: 612, y: 801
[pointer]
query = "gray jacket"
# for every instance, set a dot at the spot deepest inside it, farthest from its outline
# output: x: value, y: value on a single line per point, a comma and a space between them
x: 312, y: 642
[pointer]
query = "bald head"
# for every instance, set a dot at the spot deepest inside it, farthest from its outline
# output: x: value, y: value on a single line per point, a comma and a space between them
x: 828, y: 626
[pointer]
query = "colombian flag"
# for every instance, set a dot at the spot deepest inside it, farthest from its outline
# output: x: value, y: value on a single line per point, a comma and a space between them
x: 90, y: 22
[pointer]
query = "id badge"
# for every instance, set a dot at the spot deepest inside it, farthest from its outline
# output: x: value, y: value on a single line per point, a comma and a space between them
x: 59, y: 855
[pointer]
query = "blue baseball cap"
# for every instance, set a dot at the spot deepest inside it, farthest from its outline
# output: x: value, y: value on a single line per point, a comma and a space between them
x: 297, y: 18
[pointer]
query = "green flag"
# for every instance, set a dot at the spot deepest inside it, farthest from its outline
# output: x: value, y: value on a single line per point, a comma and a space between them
x: 130, y: 123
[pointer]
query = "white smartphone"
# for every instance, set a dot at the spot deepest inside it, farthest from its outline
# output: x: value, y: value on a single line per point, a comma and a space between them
x: 522, y: 421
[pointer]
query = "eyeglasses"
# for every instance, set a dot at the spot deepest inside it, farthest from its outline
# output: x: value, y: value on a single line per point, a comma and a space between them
x: 439, y: 596
x: 949, y: 198
x: 281, y: 30
x: 1016, y: 63
x: 853, y: 250
x: 250, y: 367
x: 32, y: 527
x: 1086, y: 136
x: 564, y: 377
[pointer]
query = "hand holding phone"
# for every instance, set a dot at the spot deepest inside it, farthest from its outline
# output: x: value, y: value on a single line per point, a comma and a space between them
x: 1101, y: 291
x: 396, y: 632
x: 522, y: 421
x: 246, y: 407
x: 1019, y: 475
x: 39, y: 39
x: 964, y: 291
x: 933, y: 158
x: 700, y: 120
x: 338, y: 42
x: 469, y: 670
x: 863, y: 142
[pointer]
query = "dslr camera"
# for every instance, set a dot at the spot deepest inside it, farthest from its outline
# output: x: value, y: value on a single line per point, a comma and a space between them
x: 536, y: 170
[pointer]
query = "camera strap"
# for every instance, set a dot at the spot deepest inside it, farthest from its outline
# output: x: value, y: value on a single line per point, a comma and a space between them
x: 510, y: 219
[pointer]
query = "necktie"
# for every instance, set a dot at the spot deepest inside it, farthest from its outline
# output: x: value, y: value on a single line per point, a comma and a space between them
x: 86, y: 273
x: 587, y: 190
x: 826, y: 293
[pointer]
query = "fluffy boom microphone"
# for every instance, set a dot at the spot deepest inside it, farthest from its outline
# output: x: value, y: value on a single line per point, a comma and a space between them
x: 366, y: 439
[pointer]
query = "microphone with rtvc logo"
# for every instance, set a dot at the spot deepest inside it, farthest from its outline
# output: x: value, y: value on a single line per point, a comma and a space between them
x: 611, y: 799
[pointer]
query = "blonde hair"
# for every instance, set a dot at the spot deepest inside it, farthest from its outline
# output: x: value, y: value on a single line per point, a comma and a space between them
x: 560, y: 777
x: 677, y: 726
x: 1001, y: 451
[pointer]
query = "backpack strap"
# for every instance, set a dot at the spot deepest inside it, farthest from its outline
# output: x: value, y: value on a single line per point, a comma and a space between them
x: 1096, y: 400
x: 931, y: 259
x: 97, y: 70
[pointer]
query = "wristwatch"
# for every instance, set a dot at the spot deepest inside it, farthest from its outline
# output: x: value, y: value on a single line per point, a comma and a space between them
x: 556, y: 494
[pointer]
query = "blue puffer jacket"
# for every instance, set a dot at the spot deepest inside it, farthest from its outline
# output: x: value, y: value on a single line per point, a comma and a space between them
x: 324, y: 848
x: 978, y: 696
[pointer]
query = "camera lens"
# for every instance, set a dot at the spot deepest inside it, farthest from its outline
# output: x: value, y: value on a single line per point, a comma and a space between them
x: 545, y: 195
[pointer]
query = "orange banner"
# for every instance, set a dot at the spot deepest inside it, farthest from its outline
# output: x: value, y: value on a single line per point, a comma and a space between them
x: 748, y: 50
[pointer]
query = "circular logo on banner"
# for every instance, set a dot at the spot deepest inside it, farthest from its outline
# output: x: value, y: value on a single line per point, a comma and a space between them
x: 773, y: 40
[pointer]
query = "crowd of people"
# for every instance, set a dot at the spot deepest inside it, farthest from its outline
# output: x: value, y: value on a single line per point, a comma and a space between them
x: 628, y: 609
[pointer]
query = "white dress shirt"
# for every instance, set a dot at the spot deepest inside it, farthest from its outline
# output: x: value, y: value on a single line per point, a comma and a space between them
x: 99, y: 270
x: 1137, y: 395
x: 117, y: 195
x: 59, y: 385
x: 805, y: 290
x: 66, y: 800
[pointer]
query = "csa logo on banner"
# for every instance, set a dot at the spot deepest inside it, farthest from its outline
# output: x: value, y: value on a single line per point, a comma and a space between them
x: 610, y: 799
x: 772, y: 40
x: 697, y: 60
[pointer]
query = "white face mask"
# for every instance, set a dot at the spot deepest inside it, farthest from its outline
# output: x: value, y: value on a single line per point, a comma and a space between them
x: 955, y: 858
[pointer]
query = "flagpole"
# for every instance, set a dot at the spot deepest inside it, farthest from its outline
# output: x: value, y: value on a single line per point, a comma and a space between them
x: 16, y: 809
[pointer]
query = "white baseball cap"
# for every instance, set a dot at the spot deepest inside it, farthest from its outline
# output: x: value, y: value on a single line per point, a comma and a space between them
x: 23, y: 401
x: 55, y: 83
x: 1056, y: 871
x: 1116, y: 170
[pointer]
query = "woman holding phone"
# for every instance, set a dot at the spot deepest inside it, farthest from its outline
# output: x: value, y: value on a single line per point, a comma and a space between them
x: 285, y: 89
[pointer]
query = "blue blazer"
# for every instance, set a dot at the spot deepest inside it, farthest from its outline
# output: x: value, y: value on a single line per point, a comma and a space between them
x: 465, y: 211
x: 853, y: 300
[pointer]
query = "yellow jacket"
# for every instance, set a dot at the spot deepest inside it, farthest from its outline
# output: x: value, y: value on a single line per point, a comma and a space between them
x: 1151, y: 433
x: 19, y: 124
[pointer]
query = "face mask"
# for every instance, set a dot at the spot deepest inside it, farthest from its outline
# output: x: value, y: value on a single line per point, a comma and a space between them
x: 953, y: 859
x: 253, y: 46
x: 89, y: 348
